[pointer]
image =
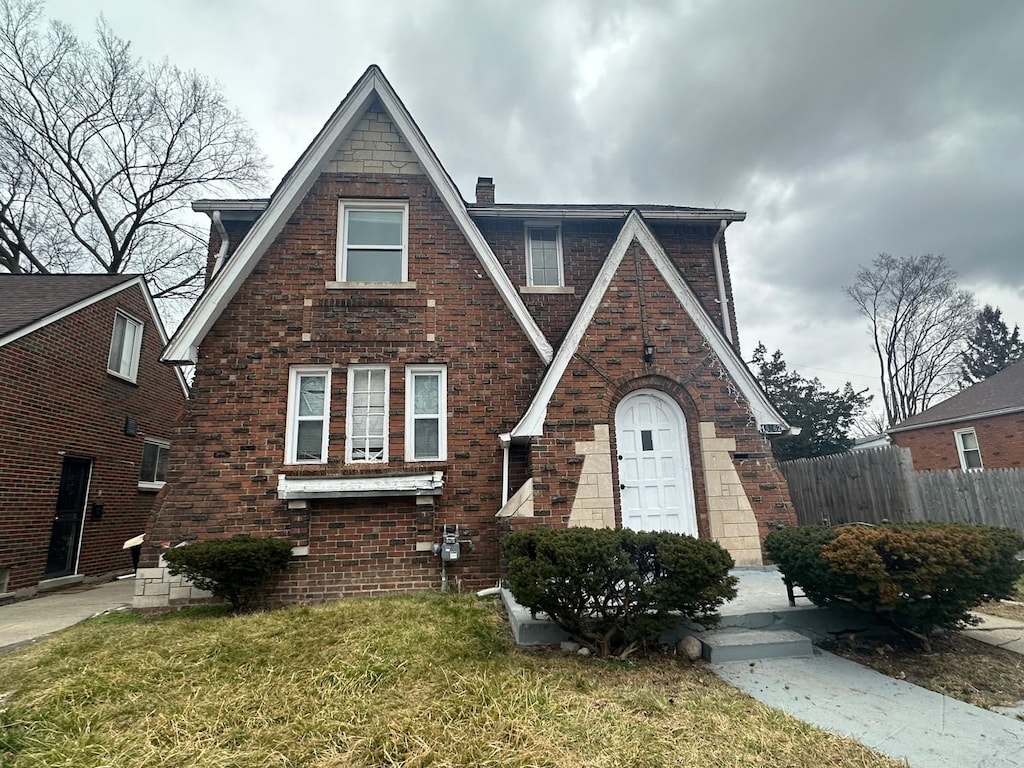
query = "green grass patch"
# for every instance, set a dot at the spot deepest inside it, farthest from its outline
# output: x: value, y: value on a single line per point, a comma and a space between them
x: 429, y: 680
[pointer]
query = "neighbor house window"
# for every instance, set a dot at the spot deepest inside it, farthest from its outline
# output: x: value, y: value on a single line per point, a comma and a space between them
x: 125, y: 346
x: 373, y: 242
x: 309, y: 408
x: 967, y: 447
x: 544, y: 256
x: 425, y: 406
x: 366, y: 420
x: 153, y: 472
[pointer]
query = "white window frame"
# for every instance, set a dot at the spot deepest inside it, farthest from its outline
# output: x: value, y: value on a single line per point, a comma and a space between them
x: 349, y: 408
x: 132, y: 372
x: 344, y: 206
x: 291, y: 440
x: 961, y: 450
x: 530, y: 226
x: 154, y: 484
x: 441, y: 372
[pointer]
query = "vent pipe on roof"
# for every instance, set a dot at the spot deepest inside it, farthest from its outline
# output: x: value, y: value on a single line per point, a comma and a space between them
x: 484, y: 190
x: 723, y: 297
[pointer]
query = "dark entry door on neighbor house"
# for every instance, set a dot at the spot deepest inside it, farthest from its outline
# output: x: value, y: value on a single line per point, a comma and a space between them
x: 66, y: 534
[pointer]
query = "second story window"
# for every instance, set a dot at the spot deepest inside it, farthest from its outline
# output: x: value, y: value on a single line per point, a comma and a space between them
x: 125, y: 347
x: 544, y: 256
x: 968, y: 449
x: 372, y: 242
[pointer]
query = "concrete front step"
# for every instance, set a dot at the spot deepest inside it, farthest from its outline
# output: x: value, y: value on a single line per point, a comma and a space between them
x: 734, y: 644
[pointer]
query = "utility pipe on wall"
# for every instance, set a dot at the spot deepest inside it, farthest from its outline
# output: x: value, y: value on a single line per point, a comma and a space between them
x: 223, y: 251
x: 723, y: 297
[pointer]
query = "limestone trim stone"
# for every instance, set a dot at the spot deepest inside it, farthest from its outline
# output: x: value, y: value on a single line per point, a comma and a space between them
x: 594, y: 503
x: 521, y: 502
x: 730, y: 514
x: 375, y: 146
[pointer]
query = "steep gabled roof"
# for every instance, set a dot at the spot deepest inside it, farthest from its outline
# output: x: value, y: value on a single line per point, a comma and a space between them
x: 997, y: 395
x: 32, y: 301
x: 295, y: 186
x: 532, y: 423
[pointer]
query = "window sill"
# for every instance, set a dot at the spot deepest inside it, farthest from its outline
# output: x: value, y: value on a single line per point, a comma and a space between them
x: 338, y: 285
x: 555, y: 289
x: 151, y: 486
x: 293, y: 488
x: 122, y: 377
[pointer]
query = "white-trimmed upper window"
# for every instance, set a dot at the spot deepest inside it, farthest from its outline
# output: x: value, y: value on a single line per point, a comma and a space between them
x: 309, y: 408
x: 125, y: 347
x: 372, y: 242
x: 967, y: 448
x: 366, y: 417
x: 544, y: 256
x: 425, y: 413
x: 153, y: 471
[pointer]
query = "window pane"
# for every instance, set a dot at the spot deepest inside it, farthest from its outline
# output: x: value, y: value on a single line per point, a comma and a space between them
x: 544, y: 256
x: 425, y: 394
x: 309, y: 440
x: 311, y: 395
x: 426, y: 439
x: 969, y: 441
x: 149, y: 460
x: 116, y: 344
x: 366, y: 266
x: 128, y: 349
x: 161, y: 463
x: 375, y: 227
x: 972, y: 459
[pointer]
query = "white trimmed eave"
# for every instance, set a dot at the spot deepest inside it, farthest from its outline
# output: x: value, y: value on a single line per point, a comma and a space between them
x: 315, y: 487
x: 957, y: 419
x: 183, y: 347
x: 601, y: 212
x: 532, y: 423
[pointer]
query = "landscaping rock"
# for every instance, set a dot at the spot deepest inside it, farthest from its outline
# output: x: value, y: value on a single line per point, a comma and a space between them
x: 690, y: 647
x: 584, y: 652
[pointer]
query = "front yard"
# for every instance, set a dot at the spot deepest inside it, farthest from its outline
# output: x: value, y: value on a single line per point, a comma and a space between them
x: 415, y: 681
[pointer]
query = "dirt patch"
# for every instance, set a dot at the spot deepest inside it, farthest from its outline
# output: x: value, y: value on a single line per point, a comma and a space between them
x: 1004, y: 608
x: 956, y: 666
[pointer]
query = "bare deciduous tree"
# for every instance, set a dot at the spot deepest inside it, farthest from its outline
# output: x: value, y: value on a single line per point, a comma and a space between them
x: 919, y: 320
x: 100, y: 155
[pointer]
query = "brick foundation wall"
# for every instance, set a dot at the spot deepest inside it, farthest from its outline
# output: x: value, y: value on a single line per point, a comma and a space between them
x: 58, y: 400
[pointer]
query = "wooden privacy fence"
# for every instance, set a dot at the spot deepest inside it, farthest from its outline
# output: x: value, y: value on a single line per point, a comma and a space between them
x: 881, y: 484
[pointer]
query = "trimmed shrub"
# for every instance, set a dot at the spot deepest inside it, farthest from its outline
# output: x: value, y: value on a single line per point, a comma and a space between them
x: 613, y: 590
x: 236, y: 569
x: 917, y: 577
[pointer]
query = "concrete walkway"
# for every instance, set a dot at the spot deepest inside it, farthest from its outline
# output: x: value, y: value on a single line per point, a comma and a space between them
x: 28, y: 620
x: 926, y: 729
x: 1000, y: 632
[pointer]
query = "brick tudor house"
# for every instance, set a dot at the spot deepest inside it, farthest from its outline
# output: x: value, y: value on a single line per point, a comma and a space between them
x: 378, y: 361
x: 981, y: 427
x: 86, y: 415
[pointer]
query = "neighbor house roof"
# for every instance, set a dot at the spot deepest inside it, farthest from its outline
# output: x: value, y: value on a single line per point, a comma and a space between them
x: 602, y: 211
x: 297, y: 183
x: 28, y: 300
x: 997, y: 395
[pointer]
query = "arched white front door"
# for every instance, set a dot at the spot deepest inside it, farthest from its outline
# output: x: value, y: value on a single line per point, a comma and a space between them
x: 655, y: 477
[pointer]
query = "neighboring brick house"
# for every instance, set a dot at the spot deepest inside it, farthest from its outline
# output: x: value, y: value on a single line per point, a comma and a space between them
x: 86, y: 415
x: 979, y: 428
x: 378, y: 361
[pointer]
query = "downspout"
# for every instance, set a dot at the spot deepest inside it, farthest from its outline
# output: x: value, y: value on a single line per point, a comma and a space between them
x: 506, y: 444
x: 223, y: 252
x: 723, y: 298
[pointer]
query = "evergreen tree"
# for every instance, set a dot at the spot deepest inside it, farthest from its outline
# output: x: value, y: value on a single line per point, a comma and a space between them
x: 990, y: 348
x: 824, y: 416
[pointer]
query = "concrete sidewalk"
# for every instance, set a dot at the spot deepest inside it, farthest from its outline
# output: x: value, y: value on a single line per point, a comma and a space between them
x: 926, y: 729
x: 37, y: 617
x: 997, y: 631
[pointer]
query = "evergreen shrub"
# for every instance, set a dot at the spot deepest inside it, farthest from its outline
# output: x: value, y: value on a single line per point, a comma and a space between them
x: 614, y: 590
x: 236, y: 569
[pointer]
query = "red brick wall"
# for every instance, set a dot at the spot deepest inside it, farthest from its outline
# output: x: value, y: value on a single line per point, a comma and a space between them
x: 58, y: 400
x: 1000, y: 438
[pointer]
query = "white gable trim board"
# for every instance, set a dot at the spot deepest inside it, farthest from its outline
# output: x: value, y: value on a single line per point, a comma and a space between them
x: 184, y: 345
x: 532, y: 423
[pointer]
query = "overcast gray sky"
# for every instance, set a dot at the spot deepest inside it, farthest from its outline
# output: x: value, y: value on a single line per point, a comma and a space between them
x: 843, y: 129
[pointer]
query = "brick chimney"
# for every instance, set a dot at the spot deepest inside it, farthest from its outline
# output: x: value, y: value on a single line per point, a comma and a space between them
x: 484, y: 190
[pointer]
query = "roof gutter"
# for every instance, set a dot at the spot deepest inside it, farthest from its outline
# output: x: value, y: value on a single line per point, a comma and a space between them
x: 609, y: 212
x: 723, y: 297
x: 957, y: 419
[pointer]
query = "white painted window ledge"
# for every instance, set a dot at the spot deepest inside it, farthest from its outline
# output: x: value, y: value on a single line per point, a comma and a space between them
x: 306, y: 487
